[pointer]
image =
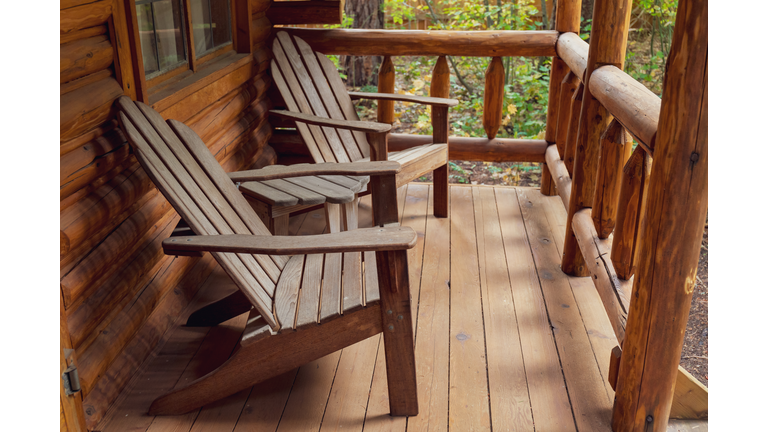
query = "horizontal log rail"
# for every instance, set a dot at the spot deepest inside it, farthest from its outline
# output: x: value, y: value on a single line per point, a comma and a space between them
x: 636, y: 107
x: 574, y: 52
x: 478, y: 148
x: 492, y: 43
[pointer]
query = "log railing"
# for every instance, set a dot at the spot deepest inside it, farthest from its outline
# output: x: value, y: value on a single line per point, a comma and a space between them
x: 622, y: 215
x: 439, y: 44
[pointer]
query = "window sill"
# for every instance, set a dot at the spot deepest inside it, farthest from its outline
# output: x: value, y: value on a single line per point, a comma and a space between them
x: 181, y: 86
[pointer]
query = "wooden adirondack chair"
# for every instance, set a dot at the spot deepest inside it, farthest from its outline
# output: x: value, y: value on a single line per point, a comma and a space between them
x: 318, y: 101
x: 311, y: 295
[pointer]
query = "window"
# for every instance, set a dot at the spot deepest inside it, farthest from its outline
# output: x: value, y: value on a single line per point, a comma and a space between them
x: 164, y: 26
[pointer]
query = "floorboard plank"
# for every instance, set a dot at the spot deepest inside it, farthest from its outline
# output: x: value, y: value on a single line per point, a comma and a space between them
x: 432, y: 336
x: 549, y: 398
x: 593, y: 314
x: 589, y: 400
x: 469, y: 404
x: 266, y: 403
x: 349, y: 395
x: 164, y: 367
x: 510, y: 402
x: 309, y: 395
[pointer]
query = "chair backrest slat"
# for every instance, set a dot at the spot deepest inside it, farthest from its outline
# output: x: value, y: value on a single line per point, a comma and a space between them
x: 201, y: 194
x: 313, y: 97
x: 342, y: 97
x: 221, y: 180
x: 199, y: 199
x: 213, y: 192
x: 182, y: 202
x: 292, y: 89
x: 328, y: 98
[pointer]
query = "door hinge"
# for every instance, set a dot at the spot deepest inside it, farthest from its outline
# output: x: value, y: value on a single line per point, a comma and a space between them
x: 70, y: 376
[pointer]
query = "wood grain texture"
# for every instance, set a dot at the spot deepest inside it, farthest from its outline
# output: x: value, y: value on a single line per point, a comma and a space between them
x: 85, y: 15
x: 569, y: 154
x: 425, y: 100
x: 84, y: 57
x: 306, y: 12
x: 468, y: 376
x: 608, y: 44
x: 671, y: 233
x: 574, y: 52
x: 385, y: 109
x: 429, y: 43
x: 615, y: 149
x: 87, y: 107
x: 510, y: 403
x: 550, y: 407
x: 636, y: 107
x: 632, y: 197
x: 477, y: 148
x: 360, y: 126
x: 493, y: 97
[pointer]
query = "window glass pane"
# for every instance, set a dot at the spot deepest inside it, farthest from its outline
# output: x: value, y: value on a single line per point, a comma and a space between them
x: 147, y: 37
x: 210, y: 24
x: 168, y: 25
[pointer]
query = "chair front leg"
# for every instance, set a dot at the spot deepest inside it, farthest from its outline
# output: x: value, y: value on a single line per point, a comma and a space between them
x: 397, y: 327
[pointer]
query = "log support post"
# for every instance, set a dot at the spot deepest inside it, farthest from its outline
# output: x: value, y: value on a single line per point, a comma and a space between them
x: 608, y: 45
x: 567, y: 19
x: 670, y: 235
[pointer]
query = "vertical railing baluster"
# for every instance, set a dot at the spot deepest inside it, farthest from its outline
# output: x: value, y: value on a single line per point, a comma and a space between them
x: 615, y: 149
x: 493, y: 97
x: 567, y: 19
x: 441, y: 79
x: 573, y: 128
x: 567, y: 87
x: 634, y: 183
x: 607, y: 45
x: 385, y: 112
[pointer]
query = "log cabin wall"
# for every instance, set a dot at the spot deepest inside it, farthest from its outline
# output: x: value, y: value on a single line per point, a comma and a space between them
x: 119, y: 292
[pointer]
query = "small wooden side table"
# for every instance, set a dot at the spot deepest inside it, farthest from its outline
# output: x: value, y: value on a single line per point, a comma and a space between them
x: 275, y: 200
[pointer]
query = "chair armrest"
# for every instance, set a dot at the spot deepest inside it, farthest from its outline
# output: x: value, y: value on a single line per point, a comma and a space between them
x: 359, y: 240
x: 353, y: 125
x: 405, y: 98
x: 329, y: 168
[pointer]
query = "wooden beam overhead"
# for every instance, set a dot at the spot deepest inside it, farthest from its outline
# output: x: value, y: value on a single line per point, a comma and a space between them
x: 305, y: 12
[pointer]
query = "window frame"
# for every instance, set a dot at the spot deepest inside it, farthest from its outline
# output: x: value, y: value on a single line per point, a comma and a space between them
x: 148, y: 87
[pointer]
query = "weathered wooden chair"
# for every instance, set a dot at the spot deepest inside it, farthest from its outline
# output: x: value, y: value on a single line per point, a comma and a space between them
x: 311, y: 295
x: 318, y: 101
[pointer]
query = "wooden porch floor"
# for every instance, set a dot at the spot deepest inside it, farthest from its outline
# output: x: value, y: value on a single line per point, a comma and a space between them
x: 504, y: 340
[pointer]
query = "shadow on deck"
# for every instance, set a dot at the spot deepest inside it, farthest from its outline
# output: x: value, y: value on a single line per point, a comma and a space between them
x: 504, y: 339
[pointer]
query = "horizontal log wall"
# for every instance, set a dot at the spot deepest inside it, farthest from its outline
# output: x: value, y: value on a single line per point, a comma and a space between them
x: 120, y: 292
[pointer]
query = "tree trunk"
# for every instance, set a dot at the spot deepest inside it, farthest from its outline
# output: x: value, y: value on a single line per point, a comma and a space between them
x: 367, y: 14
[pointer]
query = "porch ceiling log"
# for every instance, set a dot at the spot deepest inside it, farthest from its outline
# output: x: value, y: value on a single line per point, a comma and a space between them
x: 429, y: 43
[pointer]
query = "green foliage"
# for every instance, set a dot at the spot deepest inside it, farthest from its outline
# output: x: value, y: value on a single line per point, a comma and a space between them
x: 527, y: 89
